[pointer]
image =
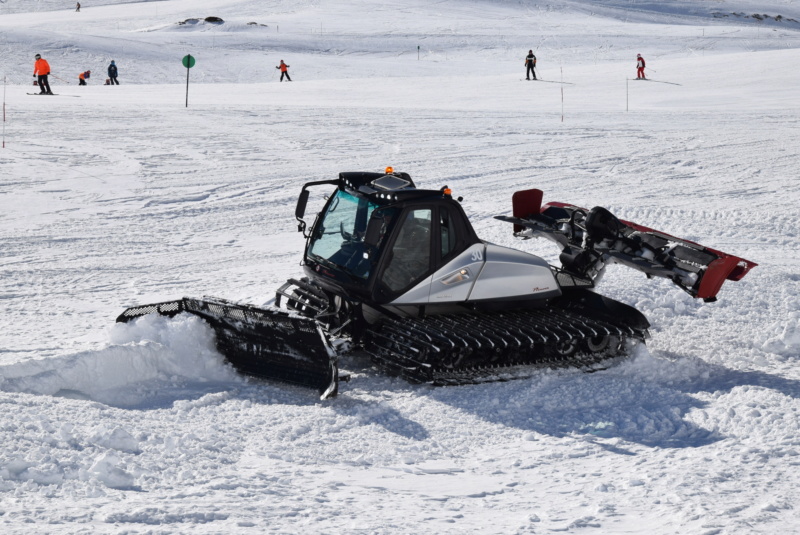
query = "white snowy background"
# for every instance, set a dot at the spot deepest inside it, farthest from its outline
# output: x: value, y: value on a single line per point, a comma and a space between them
x: 116, y: 196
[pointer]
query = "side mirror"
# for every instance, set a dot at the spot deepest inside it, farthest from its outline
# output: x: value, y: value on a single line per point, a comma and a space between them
x: 302, y: 201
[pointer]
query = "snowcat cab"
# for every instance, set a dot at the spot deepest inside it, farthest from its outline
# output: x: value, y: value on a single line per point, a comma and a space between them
x: 379, y: 238
x: 398, y: 273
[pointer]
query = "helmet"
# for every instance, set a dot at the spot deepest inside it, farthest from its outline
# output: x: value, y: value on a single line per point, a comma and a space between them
x: 38, y: 56
x: 638, y: 55
x: 89, y: 72
x: 112, y: 62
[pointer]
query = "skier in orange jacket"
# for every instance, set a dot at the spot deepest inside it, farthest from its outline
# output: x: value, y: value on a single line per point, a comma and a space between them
x: 83, y: 76
x: 41, y: 69
x: 284, y: 71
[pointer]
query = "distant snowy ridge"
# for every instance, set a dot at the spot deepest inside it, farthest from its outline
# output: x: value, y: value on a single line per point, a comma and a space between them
x: 329, y: 40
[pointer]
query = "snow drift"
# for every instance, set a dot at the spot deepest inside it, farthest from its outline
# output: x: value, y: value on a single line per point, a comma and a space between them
x: 145, y: 356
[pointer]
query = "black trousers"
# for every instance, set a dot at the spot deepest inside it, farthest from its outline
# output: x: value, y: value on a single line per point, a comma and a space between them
x: 530, y: 71
x: 81, y: 81
x: 113, y: 80
x: 44, y: 85
x: 286, y: 74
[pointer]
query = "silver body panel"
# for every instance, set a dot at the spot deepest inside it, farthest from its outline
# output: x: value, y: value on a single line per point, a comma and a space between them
x: 485, y: 272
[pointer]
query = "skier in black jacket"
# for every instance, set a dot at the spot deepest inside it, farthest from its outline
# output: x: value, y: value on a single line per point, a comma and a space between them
x: 530, y: 62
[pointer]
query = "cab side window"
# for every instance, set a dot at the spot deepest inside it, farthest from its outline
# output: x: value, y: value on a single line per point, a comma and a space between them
x: 411, y: 252
x: 447, y: 232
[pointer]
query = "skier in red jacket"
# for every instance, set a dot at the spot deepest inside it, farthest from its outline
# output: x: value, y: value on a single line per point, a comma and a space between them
x: 640, y: 67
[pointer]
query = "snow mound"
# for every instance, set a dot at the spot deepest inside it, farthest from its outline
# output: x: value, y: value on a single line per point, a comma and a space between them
x: 786, y: 337
x: 142, y: 356
x: 106, y: 469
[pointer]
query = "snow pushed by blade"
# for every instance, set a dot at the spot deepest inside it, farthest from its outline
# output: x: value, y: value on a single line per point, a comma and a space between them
x: 146, y: 355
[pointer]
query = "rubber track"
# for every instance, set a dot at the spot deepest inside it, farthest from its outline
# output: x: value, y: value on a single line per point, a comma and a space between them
x: 482, y: 347
x: 479, y: 347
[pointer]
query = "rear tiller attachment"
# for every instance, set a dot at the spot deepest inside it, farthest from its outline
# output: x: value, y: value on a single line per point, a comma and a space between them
x: 591, y: 239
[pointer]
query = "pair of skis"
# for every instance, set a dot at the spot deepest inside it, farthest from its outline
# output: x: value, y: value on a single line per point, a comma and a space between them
x: 547, y: 81
x: 52, y: 95
x: 651, y: 80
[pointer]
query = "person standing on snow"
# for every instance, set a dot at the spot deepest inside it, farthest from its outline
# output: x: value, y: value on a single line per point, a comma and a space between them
x: 83, y: 76
x: 41, y: 69
x: 112, y: 73
x: 530, y: 62
x: 78, y: 8
x: 640, y: 67
x: 284, y: 71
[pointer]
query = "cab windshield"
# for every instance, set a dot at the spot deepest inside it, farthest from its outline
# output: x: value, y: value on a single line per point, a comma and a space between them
x: 339, y: 237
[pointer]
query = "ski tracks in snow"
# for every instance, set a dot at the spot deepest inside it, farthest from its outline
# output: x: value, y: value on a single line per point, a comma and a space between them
x: 145, y: 429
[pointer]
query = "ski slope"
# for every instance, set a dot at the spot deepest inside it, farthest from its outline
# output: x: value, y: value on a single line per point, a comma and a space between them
x: 116, y: 196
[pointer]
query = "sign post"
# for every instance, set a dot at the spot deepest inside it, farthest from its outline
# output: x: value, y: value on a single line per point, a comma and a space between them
x: 188, y: 62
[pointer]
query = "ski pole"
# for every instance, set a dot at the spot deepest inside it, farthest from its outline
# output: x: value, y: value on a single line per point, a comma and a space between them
x: 57, y: 78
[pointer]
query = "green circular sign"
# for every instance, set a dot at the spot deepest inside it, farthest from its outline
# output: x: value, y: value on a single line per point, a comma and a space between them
x: 188, y: 61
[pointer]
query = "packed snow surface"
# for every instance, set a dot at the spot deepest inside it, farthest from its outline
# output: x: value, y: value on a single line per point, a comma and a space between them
x: 124, y: 195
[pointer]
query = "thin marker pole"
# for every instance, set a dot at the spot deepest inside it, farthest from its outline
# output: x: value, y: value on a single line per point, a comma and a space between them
x: 187, y: 87
x: 57, y: 78
x: 562, y: 94
x: 4, y: 110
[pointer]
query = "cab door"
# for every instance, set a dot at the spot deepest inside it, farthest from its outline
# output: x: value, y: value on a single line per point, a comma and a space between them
x: 428, y: 240
x: 409, y: 256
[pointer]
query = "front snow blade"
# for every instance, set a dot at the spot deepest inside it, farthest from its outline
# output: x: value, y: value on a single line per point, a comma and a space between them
x: 267, y: 343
